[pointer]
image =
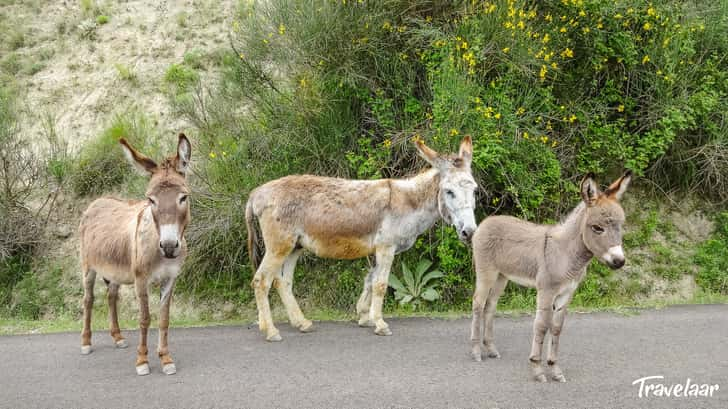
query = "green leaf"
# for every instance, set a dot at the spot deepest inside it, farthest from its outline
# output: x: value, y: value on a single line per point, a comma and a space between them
x: 422, y: 267
x: 430, y: 276
x: 395, y: 283
x: 430, y: 294
x: 407, y: 298
x: 408, y: 279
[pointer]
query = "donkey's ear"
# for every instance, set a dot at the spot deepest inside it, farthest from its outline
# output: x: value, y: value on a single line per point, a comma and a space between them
x: 431, y: 156
x: 466, y: 150
x: 184, y: 150
x: 589, y: 190
x: 141, y: 163
x: 617, y: 189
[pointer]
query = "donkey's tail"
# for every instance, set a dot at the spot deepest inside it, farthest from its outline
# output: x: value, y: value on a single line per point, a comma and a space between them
x: 252, y: 226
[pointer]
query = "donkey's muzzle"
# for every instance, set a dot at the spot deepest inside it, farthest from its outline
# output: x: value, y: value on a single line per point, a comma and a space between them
x: 169, y: 248
x: 616, y: 263
x: 466, y: 234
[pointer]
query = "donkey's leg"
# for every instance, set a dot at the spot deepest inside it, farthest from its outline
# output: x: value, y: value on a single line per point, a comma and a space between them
x: 553, y: 356
x: 284, y: 285
x: 89, y: 279
x: 165, y: 296
x: 385, y: 256
x: 365, y: 300
x: 113, y: 298
x: 142, y: 293
x: 490, y: 307
x: 542, y: 323
x: 269, y: 267
x: 483, y: 282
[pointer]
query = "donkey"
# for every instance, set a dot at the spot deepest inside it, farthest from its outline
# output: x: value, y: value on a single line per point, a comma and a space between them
x: 349, y: 219
x: 551, y: 258
x: 138, y: 242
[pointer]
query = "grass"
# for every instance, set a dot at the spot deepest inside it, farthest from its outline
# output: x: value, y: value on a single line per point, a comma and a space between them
x: 127, y: 74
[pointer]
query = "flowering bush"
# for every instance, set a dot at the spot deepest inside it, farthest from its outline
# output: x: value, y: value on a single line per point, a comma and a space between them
x: 548, y: 90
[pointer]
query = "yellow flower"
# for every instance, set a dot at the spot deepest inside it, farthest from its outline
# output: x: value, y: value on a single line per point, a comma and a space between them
x: 387, y: 143
x: 546, y: 38
x: 505, y: 50
x: 212, y: 155
x: 618, y: 16
x: 572, y: 118
x: 645, y: 59
x: 600, y: 25
x: 562, y: 30
x: 497, y: 115
x: 620, y: 108
x: 554, y: 65
x: 659, y: 72
x: 520, y: 111
x: 548, y: 17
x: 508, y: 24
x: 544, y: 138
x: 525, y: 135
x: 302, y: 82
x: 281, y: 29
x: 582, y: 13
x: 647, y: 26
x: 387, y: 26
x: 454, y: 132
x: 542, y: 72
x: 521, y: 24
x: 586, y: 30
x: 651, y: 12
x: 567, y: 53
x: 224, y: 153
x: 242, y: 56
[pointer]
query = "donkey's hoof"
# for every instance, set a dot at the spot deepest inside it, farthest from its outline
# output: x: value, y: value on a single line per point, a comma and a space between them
x: 122, y: 343
x: 274, y: 338
x: 385, y: 331
x: 493, y: 353
x: 477, y: 356
x: 169, y: 369
x: 306, y: 326
x: 366, y: 322
x: 540, y: 378
x: 142, y: 369
x: 85, y: 349
x: 558, y: 377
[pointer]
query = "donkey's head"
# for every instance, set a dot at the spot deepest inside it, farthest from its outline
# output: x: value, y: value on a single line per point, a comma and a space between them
x: 602, y: 226
x: 456, y: 195
x: 167, y: 193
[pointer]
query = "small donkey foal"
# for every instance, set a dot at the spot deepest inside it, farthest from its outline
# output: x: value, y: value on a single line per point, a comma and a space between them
x: 553, y: 259
x: 138, y: 242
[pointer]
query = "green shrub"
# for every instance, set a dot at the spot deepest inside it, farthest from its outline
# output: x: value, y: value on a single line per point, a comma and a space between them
x: 101, y: 165
x: 102, y: 19
x: 712, y: 259
x: 549, y: 91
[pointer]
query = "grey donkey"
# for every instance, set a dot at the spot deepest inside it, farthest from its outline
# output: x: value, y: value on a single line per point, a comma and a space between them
x: 551, y: 258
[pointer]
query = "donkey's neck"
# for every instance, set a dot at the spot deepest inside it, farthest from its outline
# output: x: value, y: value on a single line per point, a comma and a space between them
x: 417, y: 196
x: 569, y: 242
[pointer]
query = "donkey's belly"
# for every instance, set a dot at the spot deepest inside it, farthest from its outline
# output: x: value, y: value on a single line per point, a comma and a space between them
x: 338, y: 247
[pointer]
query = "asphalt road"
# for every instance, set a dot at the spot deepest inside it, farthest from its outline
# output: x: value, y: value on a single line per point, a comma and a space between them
x: 424, y: 364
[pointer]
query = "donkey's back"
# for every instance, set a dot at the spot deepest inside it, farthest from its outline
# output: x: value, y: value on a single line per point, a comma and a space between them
x: 509, y: 246
x: 333, y: 217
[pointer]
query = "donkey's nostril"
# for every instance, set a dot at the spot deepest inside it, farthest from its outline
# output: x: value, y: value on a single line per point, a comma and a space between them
x: 618, y: 263
x: 176, y: 244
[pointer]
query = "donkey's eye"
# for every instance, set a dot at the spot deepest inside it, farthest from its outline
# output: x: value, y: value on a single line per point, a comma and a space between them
x: 450, y: 193
x: 597, y: 229
x: 152, y: 201
x: 183, y: 199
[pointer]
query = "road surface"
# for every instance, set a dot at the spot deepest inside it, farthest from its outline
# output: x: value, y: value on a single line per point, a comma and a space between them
x: 424, y: 364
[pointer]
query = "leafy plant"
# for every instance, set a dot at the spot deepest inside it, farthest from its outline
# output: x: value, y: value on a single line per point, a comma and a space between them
x: 415, y: 286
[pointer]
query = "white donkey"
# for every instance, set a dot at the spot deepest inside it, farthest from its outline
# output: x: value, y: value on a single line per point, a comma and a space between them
x: 349, y: 219
x: 553, y: 259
